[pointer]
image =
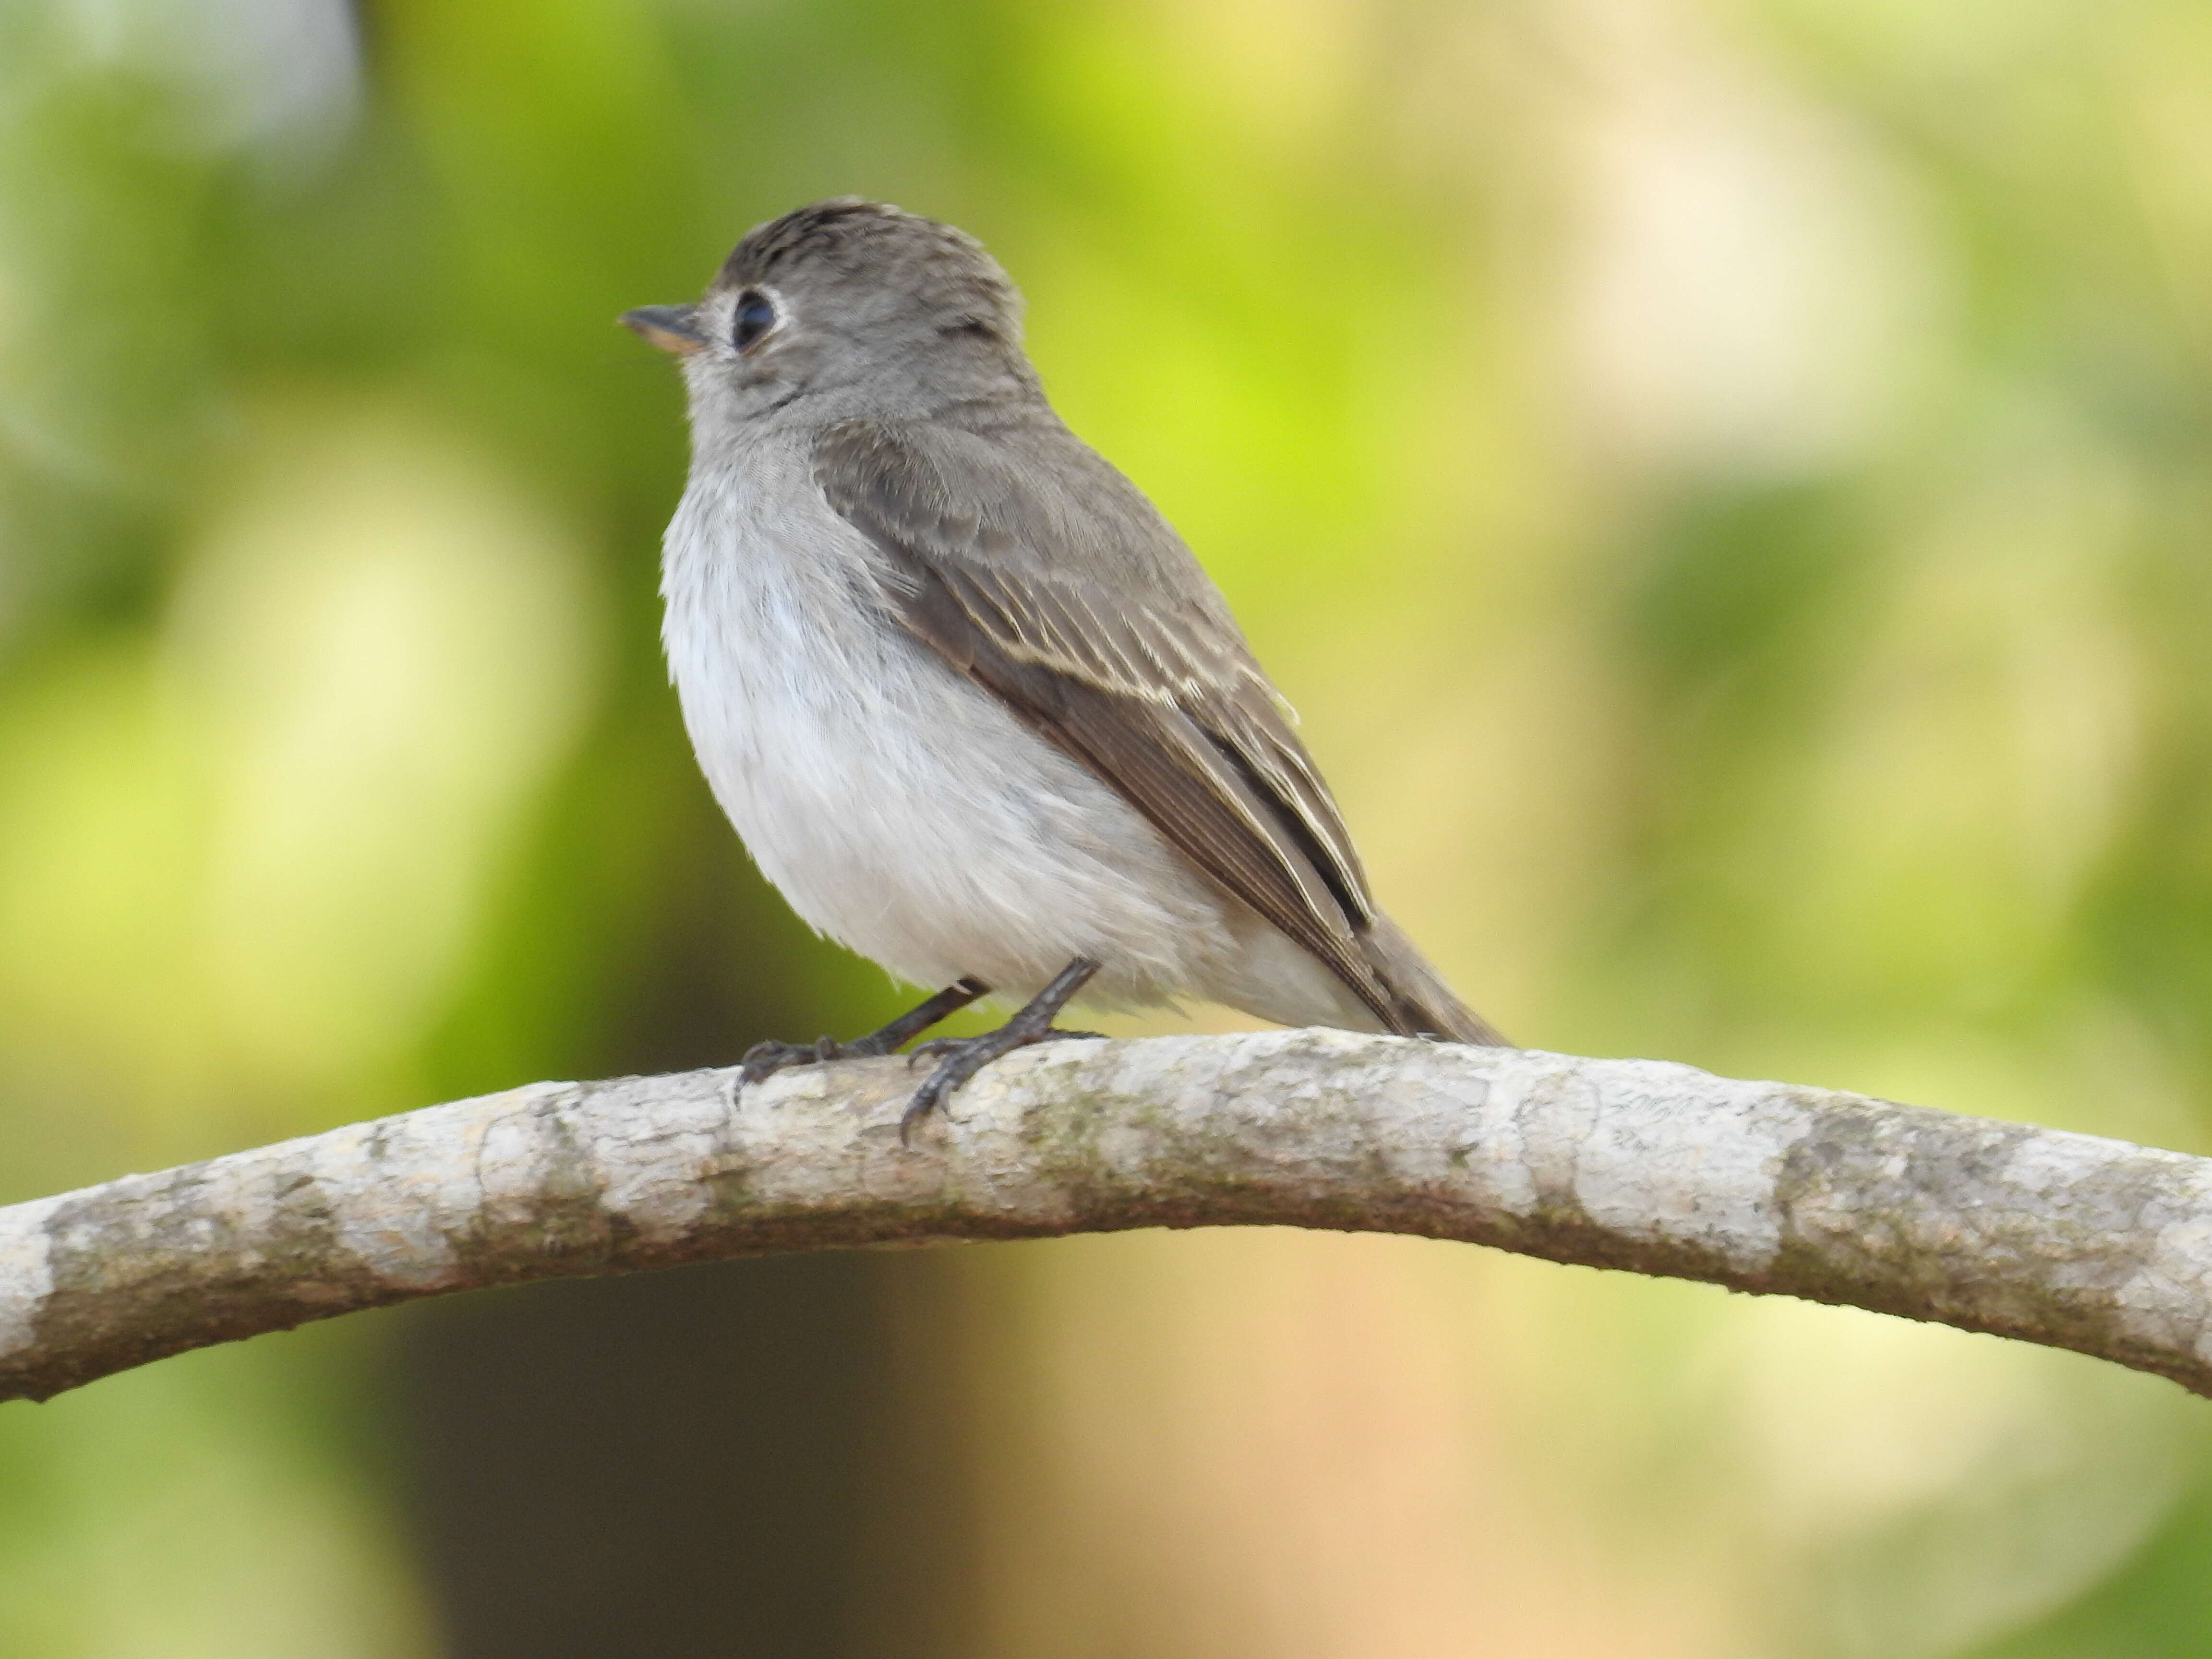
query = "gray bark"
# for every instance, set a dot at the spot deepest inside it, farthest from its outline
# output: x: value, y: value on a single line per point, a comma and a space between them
x: 2052, y: 1237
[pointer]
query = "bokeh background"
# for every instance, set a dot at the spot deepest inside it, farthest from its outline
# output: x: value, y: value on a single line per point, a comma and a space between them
x: 1728, y: 482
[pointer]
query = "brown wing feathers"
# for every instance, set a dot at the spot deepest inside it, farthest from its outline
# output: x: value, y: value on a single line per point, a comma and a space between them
x: 1170, y: 711
x: 1158, y: 759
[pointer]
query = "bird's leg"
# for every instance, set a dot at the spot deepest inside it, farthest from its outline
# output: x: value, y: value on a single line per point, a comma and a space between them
x: 765, y: 1060
x: 965, y: 1056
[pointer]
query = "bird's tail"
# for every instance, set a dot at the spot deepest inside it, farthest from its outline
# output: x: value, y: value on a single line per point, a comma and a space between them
x: 1423, y: 1004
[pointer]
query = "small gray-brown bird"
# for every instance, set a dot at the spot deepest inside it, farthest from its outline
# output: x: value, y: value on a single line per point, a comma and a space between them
x: 972, y: 704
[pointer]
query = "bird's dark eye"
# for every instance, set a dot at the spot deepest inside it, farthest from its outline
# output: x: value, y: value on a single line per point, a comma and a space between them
x: 755, y: 316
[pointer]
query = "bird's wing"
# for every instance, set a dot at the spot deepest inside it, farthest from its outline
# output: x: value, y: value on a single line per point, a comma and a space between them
x: 1074, y: 602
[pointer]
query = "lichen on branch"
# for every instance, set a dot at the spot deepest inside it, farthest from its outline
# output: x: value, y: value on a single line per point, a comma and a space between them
x: 2065, y: 1239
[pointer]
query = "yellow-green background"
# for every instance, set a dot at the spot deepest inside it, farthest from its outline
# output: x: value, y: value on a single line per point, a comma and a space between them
x: 1727, y: 483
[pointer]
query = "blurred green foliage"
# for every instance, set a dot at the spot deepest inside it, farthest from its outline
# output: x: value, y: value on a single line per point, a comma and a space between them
x: 1726, y: 481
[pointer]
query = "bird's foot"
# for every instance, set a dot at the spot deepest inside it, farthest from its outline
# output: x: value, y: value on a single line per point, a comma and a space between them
x: 962, y: 1057
x: 937, y: 1046
x: 765, y: 1060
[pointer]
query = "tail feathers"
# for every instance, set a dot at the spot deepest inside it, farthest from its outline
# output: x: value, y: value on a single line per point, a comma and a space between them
x: 1423, y: 1003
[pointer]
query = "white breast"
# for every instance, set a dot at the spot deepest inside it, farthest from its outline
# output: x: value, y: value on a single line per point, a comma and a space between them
x: 898, y: 807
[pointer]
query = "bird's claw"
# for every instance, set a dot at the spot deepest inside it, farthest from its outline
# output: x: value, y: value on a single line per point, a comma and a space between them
x: 948, y: 1045
x: 764, y: 1059
x: 964, y: 1058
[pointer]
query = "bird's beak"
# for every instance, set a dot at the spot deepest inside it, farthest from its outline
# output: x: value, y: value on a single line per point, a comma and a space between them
x: 668, y: 327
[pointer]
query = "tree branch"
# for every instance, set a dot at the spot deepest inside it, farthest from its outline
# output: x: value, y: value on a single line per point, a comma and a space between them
x: 2063, y: 1239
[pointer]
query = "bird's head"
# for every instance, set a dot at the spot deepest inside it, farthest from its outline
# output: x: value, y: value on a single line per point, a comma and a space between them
x: 846, y: 309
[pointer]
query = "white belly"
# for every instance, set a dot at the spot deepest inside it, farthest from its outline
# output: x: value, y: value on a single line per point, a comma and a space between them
x: 899, y: 808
